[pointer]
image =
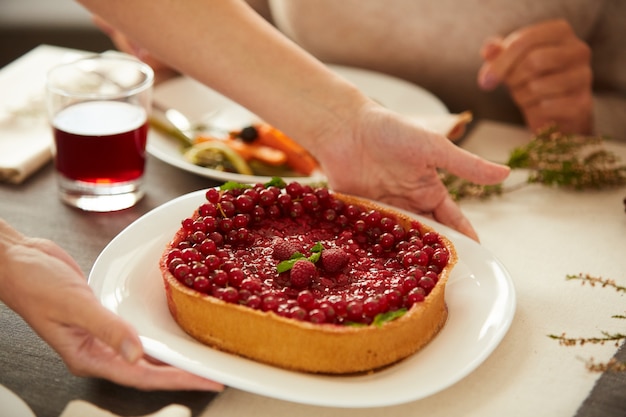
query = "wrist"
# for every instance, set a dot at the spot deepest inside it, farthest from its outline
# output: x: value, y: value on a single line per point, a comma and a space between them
x: 10, y: 242
x: 7, y: 239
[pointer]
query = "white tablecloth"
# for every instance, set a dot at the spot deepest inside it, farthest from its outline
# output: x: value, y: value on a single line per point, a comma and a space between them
x: 541, y: 235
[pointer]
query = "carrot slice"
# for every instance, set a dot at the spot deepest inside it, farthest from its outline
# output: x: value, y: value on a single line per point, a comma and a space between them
x: 298, y: 158
x: 249, y: 151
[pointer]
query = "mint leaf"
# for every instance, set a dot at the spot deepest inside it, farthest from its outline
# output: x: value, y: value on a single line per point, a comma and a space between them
x: 380, y: 319
x: 354, y: 324
x: 276, y: 182
x: 296, y: 255
x: 383, y: 318
x: 315, y: 257
x: 285, y: 266
x: 317, y: 252
x: 318, y: 247
x: 233, y: 185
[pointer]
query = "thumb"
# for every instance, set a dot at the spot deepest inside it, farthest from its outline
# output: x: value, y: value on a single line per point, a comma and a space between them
x: 114, y: 332
x: 471, y: 167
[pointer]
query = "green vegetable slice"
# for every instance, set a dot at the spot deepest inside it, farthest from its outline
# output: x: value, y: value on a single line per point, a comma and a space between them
x: 209, y: 154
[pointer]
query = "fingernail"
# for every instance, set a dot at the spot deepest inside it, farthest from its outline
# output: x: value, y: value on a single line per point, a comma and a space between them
x: 489, y: 80
x: 131, y: 352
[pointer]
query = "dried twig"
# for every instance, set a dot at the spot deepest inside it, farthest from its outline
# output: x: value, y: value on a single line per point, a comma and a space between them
x: 617, y: 338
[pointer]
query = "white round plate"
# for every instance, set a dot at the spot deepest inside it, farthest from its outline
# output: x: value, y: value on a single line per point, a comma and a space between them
x: 480, y: 297
x: 200, y: 103
x: 12, y: 405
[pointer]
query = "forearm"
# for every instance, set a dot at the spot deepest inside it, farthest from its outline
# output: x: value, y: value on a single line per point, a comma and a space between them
x: 242, y: 56
x: 608, y: 115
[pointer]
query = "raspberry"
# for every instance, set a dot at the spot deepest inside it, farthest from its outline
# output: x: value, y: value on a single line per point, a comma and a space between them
x: 283, y: 249
x: 334, y: 259
x: 302, y: 273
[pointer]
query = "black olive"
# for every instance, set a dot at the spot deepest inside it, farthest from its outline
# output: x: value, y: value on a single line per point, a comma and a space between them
x: 248, y: 134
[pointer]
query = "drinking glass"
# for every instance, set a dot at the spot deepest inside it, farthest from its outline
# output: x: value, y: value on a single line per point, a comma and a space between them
x: 98, y: 108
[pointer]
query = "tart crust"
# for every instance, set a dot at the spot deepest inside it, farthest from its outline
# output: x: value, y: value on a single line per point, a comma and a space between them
x: 303, y: 346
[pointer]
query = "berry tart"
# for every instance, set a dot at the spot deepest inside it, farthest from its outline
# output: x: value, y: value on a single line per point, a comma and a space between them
x: 306, y: 279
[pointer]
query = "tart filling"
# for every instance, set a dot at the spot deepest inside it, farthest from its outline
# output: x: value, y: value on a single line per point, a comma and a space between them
x: 307, y: 279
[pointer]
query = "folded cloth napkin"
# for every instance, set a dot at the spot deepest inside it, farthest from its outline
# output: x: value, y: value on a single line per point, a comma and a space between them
x: 25, y: 146
x: 25, y: 137
x: 79, y: 408
x: 12, y: 405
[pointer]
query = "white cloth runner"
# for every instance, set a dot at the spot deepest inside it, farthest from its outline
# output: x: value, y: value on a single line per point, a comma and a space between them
x: 14, y: 406
x: 79, y: 408
x: 25, y: 137
x: 540, y: 234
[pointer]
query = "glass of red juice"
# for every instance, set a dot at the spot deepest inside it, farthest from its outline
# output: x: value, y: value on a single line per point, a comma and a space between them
x: 98, y: 108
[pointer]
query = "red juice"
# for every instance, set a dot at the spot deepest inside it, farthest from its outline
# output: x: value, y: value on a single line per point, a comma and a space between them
x: 101, y: 142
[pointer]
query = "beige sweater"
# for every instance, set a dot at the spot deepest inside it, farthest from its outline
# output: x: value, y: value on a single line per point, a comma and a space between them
x: 436, y: 44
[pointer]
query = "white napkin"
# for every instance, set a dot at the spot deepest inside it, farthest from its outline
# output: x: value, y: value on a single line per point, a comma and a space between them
x: 79, y: 408
x: 12, y: 405
x: 25, y: 137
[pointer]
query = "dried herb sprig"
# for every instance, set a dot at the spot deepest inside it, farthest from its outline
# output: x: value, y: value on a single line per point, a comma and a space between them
x: 593, y: 281
x: 553, y: 159
x: 572, y: 341
x: 613, y: 364
x: 460, y: 188
x: 572, y: 161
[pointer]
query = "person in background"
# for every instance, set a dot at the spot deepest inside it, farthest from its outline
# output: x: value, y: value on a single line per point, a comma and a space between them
x: 45, y: 286
x: 538, y: 63
x: 532, y: 61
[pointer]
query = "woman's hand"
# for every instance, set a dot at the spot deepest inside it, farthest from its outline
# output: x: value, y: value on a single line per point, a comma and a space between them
x: 390, y: 158
x: 547, y: 70
x: 43, y: 284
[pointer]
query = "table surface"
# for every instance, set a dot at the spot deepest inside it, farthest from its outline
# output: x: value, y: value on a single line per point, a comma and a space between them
x: 540, y: 235
x: 27, y: 365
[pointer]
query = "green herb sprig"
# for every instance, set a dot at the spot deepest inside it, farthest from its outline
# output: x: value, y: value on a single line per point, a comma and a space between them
x: 572, y: 161
x: 552, y: 158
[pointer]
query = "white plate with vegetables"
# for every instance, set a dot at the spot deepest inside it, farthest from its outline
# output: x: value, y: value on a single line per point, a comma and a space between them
x: 217, y: 117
